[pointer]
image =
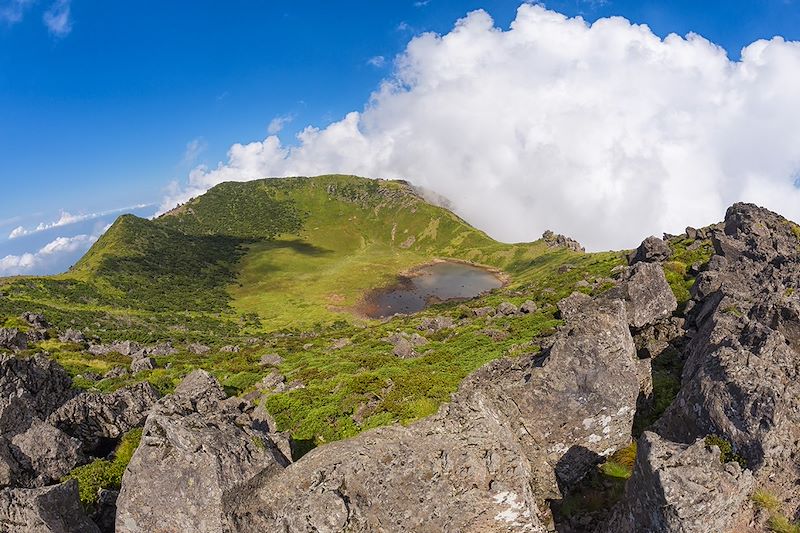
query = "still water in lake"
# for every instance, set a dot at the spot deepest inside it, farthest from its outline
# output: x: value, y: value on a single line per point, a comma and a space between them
x: 430, y: 284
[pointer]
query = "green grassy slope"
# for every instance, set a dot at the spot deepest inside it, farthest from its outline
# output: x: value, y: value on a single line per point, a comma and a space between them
x: 278, y: 266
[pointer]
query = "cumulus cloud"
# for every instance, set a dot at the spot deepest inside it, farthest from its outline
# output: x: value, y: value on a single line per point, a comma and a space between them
x: 602, y: 131
x: 277, y: 124
x: 57, y: 18
x: 48, y: 254
x: 68, y: 218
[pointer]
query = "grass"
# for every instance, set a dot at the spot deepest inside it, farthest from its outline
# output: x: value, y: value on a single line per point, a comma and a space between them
x: 685, y: 253
x: 777, y: 521
x: 726, y: 453
x: 105, y: 473
x: 765, y: 500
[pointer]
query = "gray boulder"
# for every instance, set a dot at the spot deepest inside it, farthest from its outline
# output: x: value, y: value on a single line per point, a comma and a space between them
x: 652, y: 250
x: 72, y: 335
x: 487, y: 461
x: 94, y: 418
x: 40, y: 385
x: 507, y: 309
x: 680, y: 489
x: 54, y: 509
x: 270, y: 359
x: 404, y: 345
x: 197, y: 456
x: 647, y: 295
x: 483, y: 311
x: 436, y: 323
x: 142, y: 363
x: 198, y: 349
x: 44, y: 454
x: 528, y: 306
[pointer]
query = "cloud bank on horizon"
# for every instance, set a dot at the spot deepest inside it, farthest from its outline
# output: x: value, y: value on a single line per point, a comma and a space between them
x: 605, y: 132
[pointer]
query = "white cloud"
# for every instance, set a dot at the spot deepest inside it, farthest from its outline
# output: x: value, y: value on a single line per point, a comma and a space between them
x: 278, y: 123
x: 194, y: 149
x: 57, y: 18
x: 605, y: 132
x: 67, y: 218
x: 12, y: 11
x: 376, y: 61
x: 48, y: 254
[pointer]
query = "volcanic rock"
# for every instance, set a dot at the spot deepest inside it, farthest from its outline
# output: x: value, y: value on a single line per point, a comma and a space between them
x: 54, y: 509
x: 651, y: 250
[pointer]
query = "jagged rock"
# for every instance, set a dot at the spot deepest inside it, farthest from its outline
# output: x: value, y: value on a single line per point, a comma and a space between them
x: 740, y: 380
x: 197, y: 456
x: 555, y: 240
x: 142, y: 363
x: 13, y: 339
x: 691, y: 232
x: 404, y: 345
x: 39, y: 384
x: 121, y: 347
x: 272, y: 383
x: 231, y: 348
x: 570, y: 306
x: 72, y: 335
x: 270, y: 359
x: 95, y: 418
x: 507, y: 309
x: 647, y: 295
x: 116, y: 372
x: 435, y: 324
x: 483, y: 311
x: 35, y: 320
x: 198, y: 349
x: 105, y: 510
x: 513, y: 432
x: 652, y: 340
x: 680, y: 489
x: 528, y: 306
x: 161, y: 349
x: 54, y: 509
x: 651, y: 250
x: 44, y: 454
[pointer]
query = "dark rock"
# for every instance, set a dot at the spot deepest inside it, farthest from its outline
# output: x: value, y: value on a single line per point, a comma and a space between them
x: 121, y: 347
x: 35, y: 320
x: 161, y: 349
x: 647, y: 295
x: 198, y: 455
x: 651, y: 250
x: 54, y: 509
x: 435, y: 324
x: 105, y: 510
x: 13, y: 339
x: 571, y: 305
x: 142, y: 363
x: 96, y: 418
x: 691, y: 232
x: 44, y: 454
x: 40, y: 385
x: 680, y: 488
x: 483, y: 311
x: 116, y: 372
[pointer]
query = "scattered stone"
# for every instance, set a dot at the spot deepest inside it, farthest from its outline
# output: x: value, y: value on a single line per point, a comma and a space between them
x: 528, y: 307
x: 307, y: 346
x: 652, y: 250
x: 507, y: 309
x: 72, y: 335
x: 54, y: 509
x: 230, y: 349
x: 198, y: 349
x: 583, y: 284
x: 404, y: 345
x: 435, y: 324
x: 143, y: 363
x: 495, y: 334
x: 338, y: 344
x: 270, y: 359
x: 116, y: 372
x: 36, y: 321
x: 162, y: 349
x: 483, y: 311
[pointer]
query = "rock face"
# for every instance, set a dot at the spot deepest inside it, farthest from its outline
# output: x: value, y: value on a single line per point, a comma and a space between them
x: 680, y: 488
x: 740, y: 380
x: 13, y: 339
x: 651, y: 250
x: 44, y: 454
x: 96, y: 418
x: 647, y: 295
x: 198, y: 452
x: 54, y: 509
x: 40, y: 385
x: 555, y: 240
x: 515, y: 432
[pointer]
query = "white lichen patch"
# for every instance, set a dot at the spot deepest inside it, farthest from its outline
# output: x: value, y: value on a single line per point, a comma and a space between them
x: 515, y: 513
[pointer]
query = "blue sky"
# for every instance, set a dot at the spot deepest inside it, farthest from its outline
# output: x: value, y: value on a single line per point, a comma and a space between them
x: 102, y: 104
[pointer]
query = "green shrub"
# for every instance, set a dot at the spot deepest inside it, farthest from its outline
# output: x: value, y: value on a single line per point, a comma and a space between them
x: 103, y: 473
x: 726, y: 453
x: 620, y: 464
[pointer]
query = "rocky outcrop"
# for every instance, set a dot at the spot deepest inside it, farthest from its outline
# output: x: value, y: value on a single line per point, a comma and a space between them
x: 40, y: 385
x: 197, y: 456
x: 652, y: 250
x: 435, y: 324
x: 54, y: 509
x: 96, y: 418
x: 514, y: 434
x: 404, y: 345
x: 680, y: 488
x: 42, y: 454
x: 741, y: 375
x: 555, y: 240
x: 646, y: 293
x: 72, y: 335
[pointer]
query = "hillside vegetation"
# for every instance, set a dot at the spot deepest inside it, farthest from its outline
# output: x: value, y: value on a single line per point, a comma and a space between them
x: 279, y: 266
